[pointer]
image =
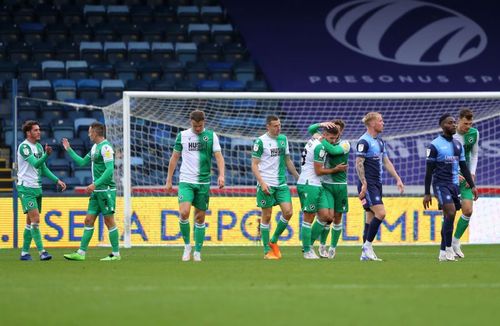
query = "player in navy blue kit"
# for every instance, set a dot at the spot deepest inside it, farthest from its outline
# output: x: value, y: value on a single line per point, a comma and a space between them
x: 444, y: 157
x: 371, y: 155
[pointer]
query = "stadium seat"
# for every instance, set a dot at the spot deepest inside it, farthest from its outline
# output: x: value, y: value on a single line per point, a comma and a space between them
x: 139, y: 51
x: 64, y: 89
x: 104, y: 32
x: 196, y: 71
x: 67, y: 51
x: 9, y: 33
x: 32, y: 32
x: 112, y: 89
x: 19, y: 52
x: 152, y: 32
x: 149, y: 71
x: 72, y: 14
x: 56, y: 33
x: 186, y: 52
x: 162, y: 51
x: 127, y: 32
x: 163, y: 85
x: 47, y: 14
x: 176, y: 33
x: 3, y: 52
x: 5, y: 17
x: 27, y: 112
x: 212, y: 14
x: 102, y: 71
x: 22, y: 89
x: 220, y: 70
x: 60, y: 167
x: 91, y: 51
x: 82, y: 127
x: 29, y: 70
x: 165, y: 14
x: 80, y: 33
x: 235, y: 52
x: 73, y: 114
x: 222, y: 33
x: 185, y: 85
x: 117, y: 14
x: 8, y: 70
x: 62, y: 131
x: 137, y: 85
x: 77, y: 69
x: 125, y: 71
x: 81, y: 173
x: 209, y: 52
x: 257, y: 86
x: 115, y: 51
x: 42, y: 52
x: 97, y: 115
x: 208, y: 86
x: 23, y: 15
x: 94, y: 14
x: 173, y: 70
x: 188, y: 14
x: 244, y: 71
x: 199, y: 33
x: 40, y: 89
x: 53, y: 69
x: 141, y: 14
x: 89, y: 89
x: 50, y: 112
x: 233, y: 86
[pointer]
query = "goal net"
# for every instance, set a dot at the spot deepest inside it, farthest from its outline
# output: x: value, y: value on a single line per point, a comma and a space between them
x: 143, y: 128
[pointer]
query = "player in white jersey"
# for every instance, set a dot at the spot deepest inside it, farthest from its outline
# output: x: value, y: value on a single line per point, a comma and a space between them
x: 31, y: 167
x: 196, y: 147
x: 270, y: 160
x: 312, y: 195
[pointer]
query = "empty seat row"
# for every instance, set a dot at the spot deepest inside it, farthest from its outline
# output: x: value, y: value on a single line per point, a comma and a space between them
x: 88, y: 89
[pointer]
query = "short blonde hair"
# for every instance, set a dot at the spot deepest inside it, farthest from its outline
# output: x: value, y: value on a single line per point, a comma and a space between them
x: 370, y: 116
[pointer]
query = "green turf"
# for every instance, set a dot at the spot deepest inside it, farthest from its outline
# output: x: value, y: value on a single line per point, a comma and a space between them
x: 235, y: 286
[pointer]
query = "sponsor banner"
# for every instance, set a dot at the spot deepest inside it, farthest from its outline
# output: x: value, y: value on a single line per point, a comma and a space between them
x: 233, y: 221
x: 372, y: 45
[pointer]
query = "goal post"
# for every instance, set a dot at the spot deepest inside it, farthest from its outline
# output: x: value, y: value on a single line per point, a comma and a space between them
x: 145, y: 124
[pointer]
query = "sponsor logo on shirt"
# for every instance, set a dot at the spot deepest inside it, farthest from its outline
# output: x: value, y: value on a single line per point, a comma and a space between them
x: 277, y: 151
x: 196, y: 147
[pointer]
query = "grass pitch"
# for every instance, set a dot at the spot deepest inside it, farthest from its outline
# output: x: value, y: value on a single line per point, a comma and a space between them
x: 235, y: 286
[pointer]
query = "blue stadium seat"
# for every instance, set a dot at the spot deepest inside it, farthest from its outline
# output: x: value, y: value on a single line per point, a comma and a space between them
x: 112, y: 89
x: 212, y: 14
x: 188, y: 14
x: 27, y: 112
x: 128, y: 32
x: 72, y: 14
x: 67, y: 51
x: 257, y: 86
x: 141, y: 14
x: 162, y: 51
x: 235, y: 52
x: 80, y: 33
x: 163, y: 85
x: 94, y: 14
x: 9, y: 33
x: 40, y: 89
x: 209, y: 52
x: 89, y: 89
x: 62, y: 131
x: 166, y: 14
x: 173, y: 70
x: 32, y: 32
x: 208, y: 85
x: 196, y: 71
x: 77, y: 69
x: 53, y: 69
x: 29, y: 70
x: 50, y: 112
x: 176, y: 33
x: 244, y: 71
x: 125, y: 71
x: 185, y: 85
x: 137, y: 85
x: 220, y: 70
x: 117, y: 14
x: 97, y: 114
x: 104, y: 32
x: 199, y: 33
x: 8, y: 70
x: 91, y: 51
x: 222, y: 33
x: 115, y: 51
x: 139, y: 51
x: 56, y: 33
x: 186, y: 52
x: 82, y: 127
x: 64, y: 89
x: 72, y: 114
x: 42, y: 52
x: 152, y: 32
x: 19, y: 52
x: 233, y: 86
x: 149, y: 71
x: 22, y: 89
x: 102, y: 71
x: 46, y: 13
x: 23, y: 15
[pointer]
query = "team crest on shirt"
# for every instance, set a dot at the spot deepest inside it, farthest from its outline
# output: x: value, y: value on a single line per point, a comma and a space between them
x: 361, y: 147
x: 26, y: 150
x: 205, y: 138
x: 181, y: 197
x: 312, y: 207
x: 262, y: 202
x: 31, y: 204
x: 470, y: 140
x: 282, y: 143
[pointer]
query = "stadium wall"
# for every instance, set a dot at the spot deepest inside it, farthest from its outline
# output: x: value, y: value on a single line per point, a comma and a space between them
x: 233, y: 221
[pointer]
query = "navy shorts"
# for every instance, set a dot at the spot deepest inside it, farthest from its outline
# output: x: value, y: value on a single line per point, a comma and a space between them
x: 447, y: 194
x: 373, y: 195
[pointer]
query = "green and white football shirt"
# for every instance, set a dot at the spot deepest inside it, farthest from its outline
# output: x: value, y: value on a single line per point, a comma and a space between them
x: 470, y: 142
x: 28, y: 175
x: 334, y: 160
x: 100, y: 154
x: 272, y: 153
x: 313, y: 152
x: 196, y: 152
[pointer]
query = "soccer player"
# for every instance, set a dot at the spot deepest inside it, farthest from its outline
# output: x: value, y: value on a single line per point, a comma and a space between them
x: 335, y: 186
x: 370, y: 156
x: 312, y: 195
x: 102, y: 191
x: 444, y: 157
x: 196, y: 147
x: 469, y: 138
x: 270, y: 159
x: 31, y: 160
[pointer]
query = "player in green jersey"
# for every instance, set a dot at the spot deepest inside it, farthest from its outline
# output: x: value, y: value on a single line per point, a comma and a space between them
x: 31, y: 167
x: 469, y: 138
x: 270, y: 160
x: 196, y: 146
x: 102, y: 191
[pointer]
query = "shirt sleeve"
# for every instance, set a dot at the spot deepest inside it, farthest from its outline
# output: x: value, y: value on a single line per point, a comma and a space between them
x: 216, y: 144
x: 346, y: 146
x: 383, y: 149
x: 257, y: 149
x: 362, y: 148
x: 312, y: 129
x: 431, y: 153
x: 178, y: 143
x: 474, y: 155
x: 332, y: 149
x: 287, y: 148
x: 319, y: 153
x: 107, y: 153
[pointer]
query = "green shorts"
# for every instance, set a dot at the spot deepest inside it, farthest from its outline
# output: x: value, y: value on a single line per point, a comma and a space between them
x: 337, y: 197
x: 312, y: 198
x: 278, y: 195
x: 103, y: 202
x: 465, y: 193
x: 197, y: 194
x: 31, y: 198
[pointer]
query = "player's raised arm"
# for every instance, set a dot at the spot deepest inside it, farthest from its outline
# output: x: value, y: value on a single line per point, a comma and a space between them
x: 74, y: 156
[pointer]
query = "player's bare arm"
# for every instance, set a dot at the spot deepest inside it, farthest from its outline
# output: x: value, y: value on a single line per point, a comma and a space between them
x: 172, y: 164
x: 256, y: 173
x: 220, y: 166
x: 360, y: 170
x: 291, y: 167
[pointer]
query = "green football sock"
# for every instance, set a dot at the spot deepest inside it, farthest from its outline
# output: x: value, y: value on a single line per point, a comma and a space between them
x: 199, y: 236
x: 316, y: 230
x: 113, y: 239
x: 36, y: 235
x: 282, y: 223
x: 336, y: 232
x: 306, y: 236
x: 185, y: 230
x: 27, y: 238
x: 88, y: 231
x: 463, y: 223
x: 264, y: 232
x: 324, y: 233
